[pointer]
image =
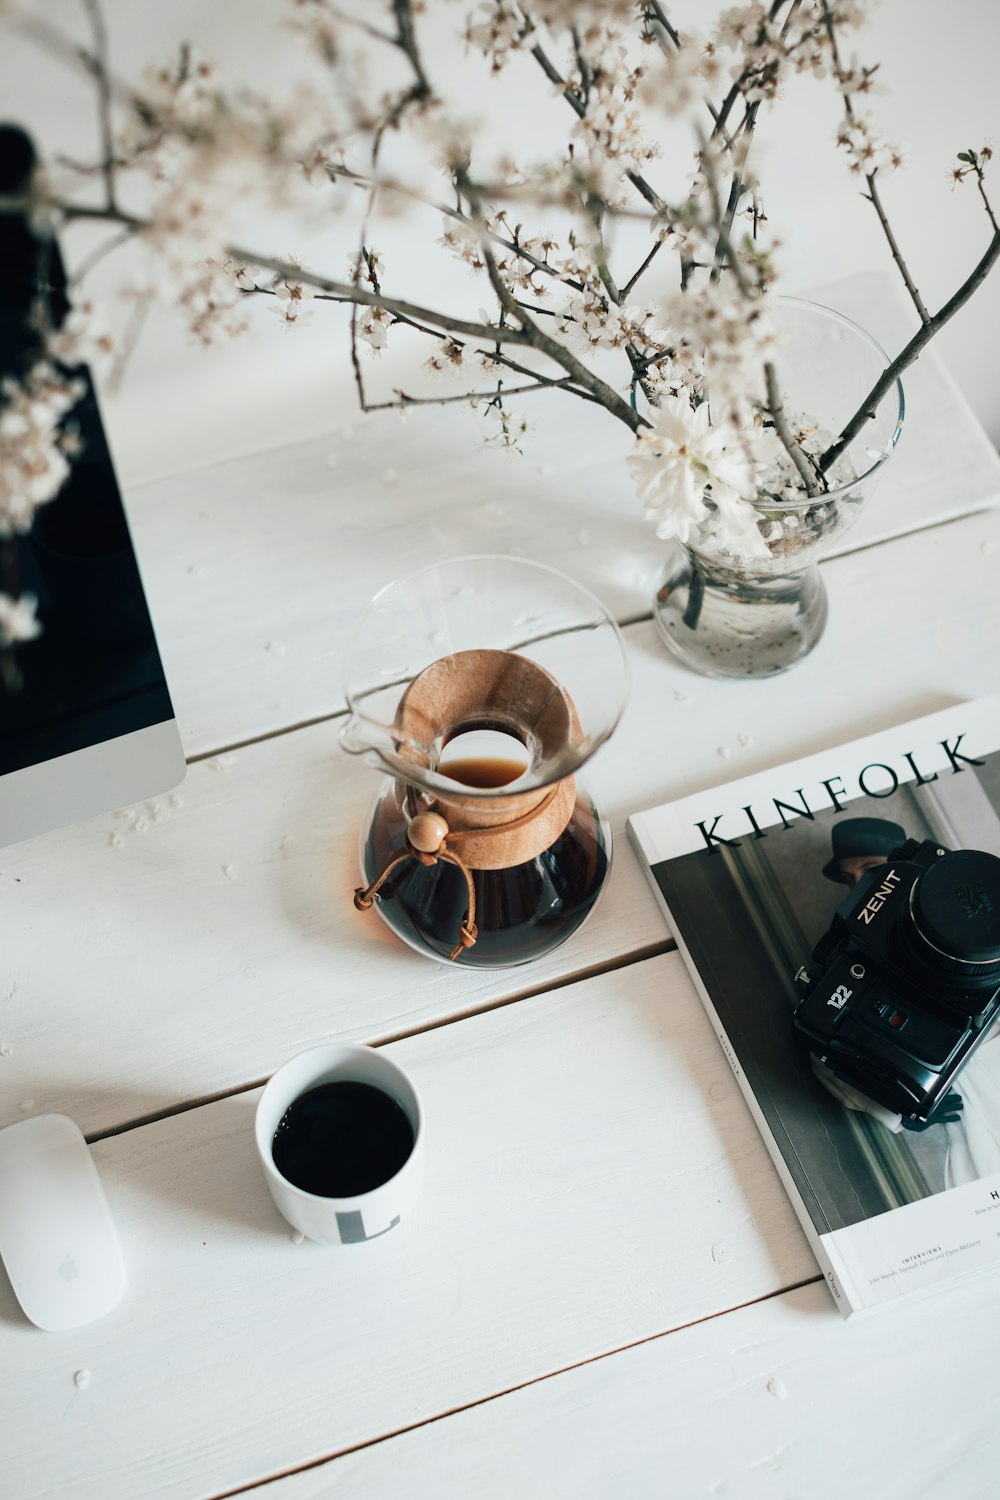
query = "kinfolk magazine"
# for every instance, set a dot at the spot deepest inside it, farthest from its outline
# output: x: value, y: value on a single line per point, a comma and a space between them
x: 850, y: 965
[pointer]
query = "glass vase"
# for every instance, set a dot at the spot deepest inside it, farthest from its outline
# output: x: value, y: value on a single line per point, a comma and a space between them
x: 482, y: 686
x: 727, y: 616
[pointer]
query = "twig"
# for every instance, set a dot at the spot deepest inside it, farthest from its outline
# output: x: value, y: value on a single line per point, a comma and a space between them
x: 781, y: 427
x: 553, y: 74
x: 658, y: 246
x: 581, y: 62
x: 406, y: 40
x: 541, y: 341
x: 359, y: 380
x: 373, y: 31
x: 866, y: 411
x: 391, y: 185
x: 722, y: 115
x: 723, y: 242
x: 88, y: 263
x: 404, y: 400
x: 99, y: 68
x: 873, y: 194
x: 655, y: 12
x: 981, y: 184
x: 654, y: 15
x: 745, y: 135
x: 140, y: 312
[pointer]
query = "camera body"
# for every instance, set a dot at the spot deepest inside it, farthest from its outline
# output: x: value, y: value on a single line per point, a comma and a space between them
x: 905, y: 985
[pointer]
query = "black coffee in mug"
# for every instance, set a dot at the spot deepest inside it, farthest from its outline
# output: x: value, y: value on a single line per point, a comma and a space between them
x: 342, y: 1138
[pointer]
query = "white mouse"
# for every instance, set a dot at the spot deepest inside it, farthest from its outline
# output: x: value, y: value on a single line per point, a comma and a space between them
x: 57, y: 1236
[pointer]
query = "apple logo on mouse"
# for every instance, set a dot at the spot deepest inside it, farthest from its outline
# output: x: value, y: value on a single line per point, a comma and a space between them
x: 68, y: 1268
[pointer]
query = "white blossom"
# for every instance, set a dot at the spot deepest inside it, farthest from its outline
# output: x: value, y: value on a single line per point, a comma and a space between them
x: 682, y: 464
x: 373, y: 326
x: 18, y: 620
x: 291, y: 301
x: 449, y: 355
x: 676, y: 82
x: 212, y: 301
x: 868, y: 149
x: 856, y: 79
x: 82, y: 338
x: 726, y: 335
x: 200, y: 162
x: 496, y: 28
x: 34, y: 447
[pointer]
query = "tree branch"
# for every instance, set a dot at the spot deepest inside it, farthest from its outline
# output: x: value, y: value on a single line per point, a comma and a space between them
x: 98, y: 64
x: 981, y: 184
x: 722, y: 114
x: 553, y: 74
x: 541, y: 341
x: 658, y: 246
x: 866, y: 411
x: 873, y: 193
x: 404, y: 400
x: 781, y: 427
x: 406, y: 40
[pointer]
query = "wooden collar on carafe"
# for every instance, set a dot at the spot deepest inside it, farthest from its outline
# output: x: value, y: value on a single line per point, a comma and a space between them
x: 480, y: 689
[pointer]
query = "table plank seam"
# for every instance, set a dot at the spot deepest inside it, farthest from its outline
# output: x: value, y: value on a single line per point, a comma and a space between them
x: 624, y: 622
x: 268, y: 734
x: 532, y: 992
x: 453, y: 1411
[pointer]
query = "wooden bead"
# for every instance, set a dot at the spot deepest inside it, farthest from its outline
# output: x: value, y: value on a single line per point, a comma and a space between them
x: 427, y: 832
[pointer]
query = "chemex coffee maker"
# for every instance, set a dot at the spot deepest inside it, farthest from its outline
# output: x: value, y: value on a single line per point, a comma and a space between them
x: 481, y: 686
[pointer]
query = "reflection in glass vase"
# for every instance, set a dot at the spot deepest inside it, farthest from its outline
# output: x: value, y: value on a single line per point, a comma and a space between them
x: 729, y: 615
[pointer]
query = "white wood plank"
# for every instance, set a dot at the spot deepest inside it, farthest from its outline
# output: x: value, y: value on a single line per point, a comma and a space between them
x: 779, y: 1399
x: 258, y: 569
x: 142, y: 975
x: 593, y: 1177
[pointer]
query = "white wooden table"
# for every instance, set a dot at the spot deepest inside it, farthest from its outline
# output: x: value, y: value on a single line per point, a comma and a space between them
x: 605, y: 1290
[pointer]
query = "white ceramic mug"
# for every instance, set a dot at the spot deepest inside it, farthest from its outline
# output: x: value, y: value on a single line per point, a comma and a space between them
x: 341, y: 1221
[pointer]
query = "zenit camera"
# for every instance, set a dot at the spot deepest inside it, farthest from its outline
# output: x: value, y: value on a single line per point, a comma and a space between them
x: 906, y: 983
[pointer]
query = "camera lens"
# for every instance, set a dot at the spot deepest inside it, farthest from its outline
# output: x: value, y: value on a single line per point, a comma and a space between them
x: 955, y: 907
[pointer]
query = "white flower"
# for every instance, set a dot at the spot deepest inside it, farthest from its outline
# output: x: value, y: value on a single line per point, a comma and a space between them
x: 866, y: 146
x: 724, y: 333
x: 242, y: 274
x: 18, y: 620
x: 33, y: 444
x: 496, y: 29
x: 82, y: 338
x: 290, y: 304
x: 295, y: 292
x: 373, y: 326
x: 681, y: 463
x: 211, y: 300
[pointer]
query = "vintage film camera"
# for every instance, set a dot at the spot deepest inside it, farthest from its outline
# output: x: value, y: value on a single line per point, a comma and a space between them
x: 905, y: 985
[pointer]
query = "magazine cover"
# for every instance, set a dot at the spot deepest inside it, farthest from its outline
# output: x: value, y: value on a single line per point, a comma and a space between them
x: 840, y: 917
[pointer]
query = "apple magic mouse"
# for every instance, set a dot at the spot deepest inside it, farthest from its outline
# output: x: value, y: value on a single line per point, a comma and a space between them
x: 57, y: 1237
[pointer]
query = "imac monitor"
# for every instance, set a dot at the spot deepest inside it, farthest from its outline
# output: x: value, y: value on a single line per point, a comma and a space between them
x: 86, y: 722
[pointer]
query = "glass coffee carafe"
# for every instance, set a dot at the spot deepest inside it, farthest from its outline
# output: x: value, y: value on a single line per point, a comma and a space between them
x: 481, y: 686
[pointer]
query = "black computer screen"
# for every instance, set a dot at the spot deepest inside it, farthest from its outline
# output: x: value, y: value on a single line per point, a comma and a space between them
x: 94, y: 672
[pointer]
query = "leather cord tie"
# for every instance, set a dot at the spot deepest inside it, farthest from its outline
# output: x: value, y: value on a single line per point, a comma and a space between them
x: 428, y: 839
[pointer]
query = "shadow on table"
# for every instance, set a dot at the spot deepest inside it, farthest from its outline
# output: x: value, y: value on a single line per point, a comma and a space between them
x: 198, y: 1166
x: 770, y: 1212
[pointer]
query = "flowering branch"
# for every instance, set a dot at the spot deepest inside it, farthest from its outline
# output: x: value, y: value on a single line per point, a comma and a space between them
x: 717, y: 436
x: 872, y: 195
x: 974, y: 163
x: 403, y: 399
